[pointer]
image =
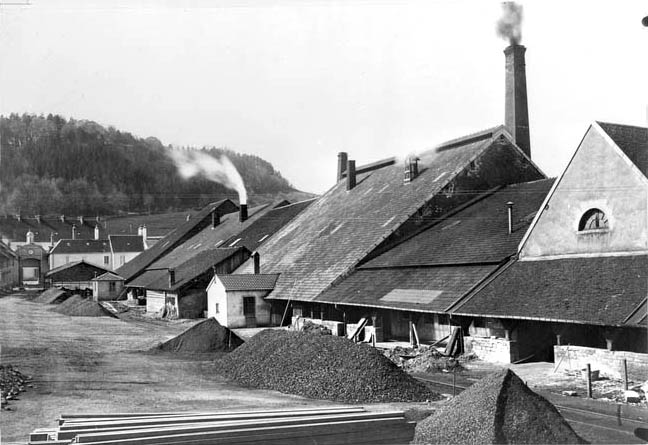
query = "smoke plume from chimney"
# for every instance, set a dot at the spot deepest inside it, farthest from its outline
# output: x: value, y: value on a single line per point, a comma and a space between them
x: 192, y: 163
x: 509, y: 26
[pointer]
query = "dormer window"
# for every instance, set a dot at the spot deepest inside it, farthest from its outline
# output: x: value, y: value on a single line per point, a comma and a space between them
x: 593, y: 219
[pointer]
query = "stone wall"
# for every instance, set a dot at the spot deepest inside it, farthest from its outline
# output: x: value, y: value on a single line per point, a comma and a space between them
x: 499, y: 350
x: 608, y: 363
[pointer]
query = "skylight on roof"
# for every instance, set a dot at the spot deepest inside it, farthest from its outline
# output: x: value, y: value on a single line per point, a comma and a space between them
x: 337, y: 228
x: 384, y: 188
x: 234, y: 243
x: 263, y: 238
x: 219, y: 243
x: 388, y: 221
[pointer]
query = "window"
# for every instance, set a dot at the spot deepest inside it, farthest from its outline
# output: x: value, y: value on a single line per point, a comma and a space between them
x: 216, y: 309
x: 593, y: 219
x: 112, y: 286
x: 106, y: 259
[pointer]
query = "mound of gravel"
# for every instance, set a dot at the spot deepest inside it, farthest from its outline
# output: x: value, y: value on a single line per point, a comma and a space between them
x: 12, y: 383
x: 500, y: 408
x: 52, y: 296
x: 320, y: 367
x: 206, y: 336
x: 77, y: 306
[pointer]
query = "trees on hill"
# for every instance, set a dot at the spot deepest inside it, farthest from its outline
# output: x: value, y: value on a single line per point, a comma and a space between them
x: 53, y: 165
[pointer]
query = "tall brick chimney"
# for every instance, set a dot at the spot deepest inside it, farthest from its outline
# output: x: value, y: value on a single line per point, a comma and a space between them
x: 516, y: 116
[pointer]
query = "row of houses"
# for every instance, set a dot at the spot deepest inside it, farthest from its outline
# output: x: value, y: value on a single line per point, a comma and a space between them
x: 471, y: 234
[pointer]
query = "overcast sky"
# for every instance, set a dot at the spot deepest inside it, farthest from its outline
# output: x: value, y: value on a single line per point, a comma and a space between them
x: 295, y: 82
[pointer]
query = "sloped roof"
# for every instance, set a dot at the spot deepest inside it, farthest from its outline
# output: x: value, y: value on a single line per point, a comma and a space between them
x: 593, y: 290
x: 81, y: 246
x: 476, y: 233
x: 75, y: 271
x: 108, y: 276
x: 633, y: 141
x: 157, y: 276
x: 177, y: 236
x: 428, y: 289
x: 248, y: 281
x: 126, y: 243
x: 47, y: 228
x: 266, y: 225
x: 330, y: 237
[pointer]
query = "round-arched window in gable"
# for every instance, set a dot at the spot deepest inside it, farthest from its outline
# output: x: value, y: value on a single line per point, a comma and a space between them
x: 593, y: 219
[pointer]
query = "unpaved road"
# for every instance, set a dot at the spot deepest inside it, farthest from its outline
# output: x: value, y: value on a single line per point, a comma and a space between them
x: 100, y: 364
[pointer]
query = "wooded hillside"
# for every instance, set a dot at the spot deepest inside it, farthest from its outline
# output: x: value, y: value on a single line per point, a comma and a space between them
x: 50, y: 165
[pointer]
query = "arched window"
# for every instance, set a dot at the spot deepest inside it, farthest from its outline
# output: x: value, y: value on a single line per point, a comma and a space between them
x: 593, y: 219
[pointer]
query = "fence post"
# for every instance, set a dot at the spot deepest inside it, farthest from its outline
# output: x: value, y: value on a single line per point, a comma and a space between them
x: 625, y: 374
x: 589, y: 381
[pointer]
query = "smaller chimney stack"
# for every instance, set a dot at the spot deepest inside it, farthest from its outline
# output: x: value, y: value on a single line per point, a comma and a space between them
x: 171, y: 277
x: 96, y: 232
x: 342, y: 165
x: 411, y: 169
x: 73, y: 231
x: 144, y: 234
x: 243, y: 212
x: 81, y: 220
x: 215, y: 218
x: 256, y: 259
x: 350, y: 175
x: 509, y: 205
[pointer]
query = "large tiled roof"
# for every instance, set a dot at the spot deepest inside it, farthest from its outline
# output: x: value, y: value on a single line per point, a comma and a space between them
x: 266, y: 225
x: 594, y: 290
x: 248, y: 281
x: 75, y: 271
x: 476, y: 233
x: 46, y: 229
x: 330, y: 237
x: 157, y: 276
x: 81, y: 246
x: 126, y: 243
x: 632, y: 140
x: 199, y: 222
x: 429, y: 289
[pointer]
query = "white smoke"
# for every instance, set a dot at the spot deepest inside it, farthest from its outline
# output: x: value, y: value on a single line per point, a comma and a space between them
x: 509, y: 26
x: 192, y: 163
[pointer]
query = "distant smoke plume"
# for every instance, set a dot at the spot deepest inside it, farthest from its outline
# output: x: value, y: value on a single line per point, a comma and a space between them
x: 192, y: 163
x: 509, y: 26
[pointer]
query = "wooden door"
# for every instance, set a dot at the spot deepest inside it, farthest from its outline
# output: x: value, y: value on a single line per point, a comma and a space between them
x: 249, y: 310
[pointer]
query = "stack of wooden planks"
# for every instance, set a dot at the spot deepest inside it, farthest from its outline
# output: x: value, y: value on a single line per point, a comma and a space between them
x: 331, y: 425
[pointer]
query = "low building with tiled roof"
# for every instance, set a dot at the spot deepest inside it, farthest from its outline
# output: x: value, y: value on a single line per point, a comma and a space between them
x: 377, y: 205
x: 74, y: 275
x: 580, y: 277
x: 238, y: 301
x: 180, y: 281
x: 107, y: 286
x: 423, y: 276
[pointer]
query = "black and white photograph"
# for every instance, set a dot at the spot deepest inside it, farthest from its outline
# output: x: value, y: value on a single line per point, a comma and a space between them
x: 323, y: 222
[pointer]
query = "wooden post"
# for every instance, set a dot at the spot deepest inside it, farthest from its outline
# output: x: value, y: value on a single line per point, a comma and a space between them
x: 411, y: 334
x: 416, y: 337
x: 625, y: 374
x: 589, y: 381
x: 454, y: 381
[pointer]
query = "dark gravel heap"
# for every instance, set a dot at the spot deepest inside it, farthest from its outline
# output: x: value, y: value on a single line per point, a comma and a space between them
x: 12, y: 383
x: 500, y: 408
x: 77, y: 306
x: 206, y: 336
x: 320, y: 367
x: 52, y: 296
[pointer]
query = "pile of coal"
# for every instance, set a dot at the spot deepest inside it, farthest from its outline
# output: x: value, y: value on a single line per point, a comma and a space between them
x: 52, y: 295
x: 12, y: 383
x: 78, y: 306
x: 500, y: 408
x: 206, y: 336
x: 321, y: 367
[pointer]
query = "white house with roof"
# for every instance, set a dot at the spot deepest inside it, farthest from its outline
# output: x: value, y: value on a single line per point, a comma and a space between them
x: 114, y: 252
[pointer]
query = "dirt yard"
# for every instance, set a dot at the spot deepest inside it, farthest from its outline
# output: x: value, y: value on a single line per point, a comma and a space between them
x: 102, y: 364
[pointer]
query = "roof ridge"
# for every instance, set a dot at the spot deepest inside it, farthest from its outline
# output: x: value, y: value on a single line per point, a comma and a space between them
x: 462, y: 140
x: 621, y: 125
